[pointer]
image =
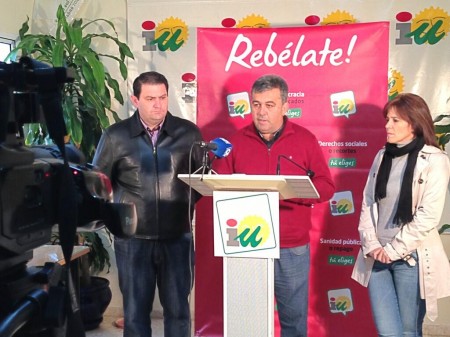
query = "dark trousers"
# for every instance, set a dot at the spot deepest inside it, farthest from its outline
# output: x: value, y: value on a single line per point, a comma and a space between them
x: 143, y: 265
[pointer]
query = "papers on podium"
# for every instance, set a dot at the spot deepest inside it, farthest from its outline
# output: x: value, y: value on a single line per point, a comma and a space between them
x: 288, y: 186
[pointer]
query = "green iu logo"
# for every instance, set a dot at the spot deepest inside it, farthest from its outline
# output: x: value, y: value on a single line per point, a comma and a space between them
x: 252, y: 231
x: 170, y: 35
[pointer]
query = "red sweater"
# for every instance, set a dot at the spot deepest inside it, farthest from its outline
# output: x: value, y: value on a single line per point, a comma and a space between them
x: 250, y: 155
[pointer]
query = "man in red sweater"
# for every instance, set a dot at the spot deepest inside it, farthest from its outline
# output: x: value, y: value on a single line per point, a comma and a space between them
x: 256, y: 149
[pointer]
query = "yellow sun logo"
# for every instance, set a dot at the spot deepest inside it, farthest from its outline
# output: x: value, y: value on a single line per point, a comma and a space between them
x: 395, y: 83
x: 429, y: 18
x: 253, y: 21
x: 254, y: 228
x: 344, y: 204
x: 241, y: 106
x: 171, y: 34
x: 343, y: 303
x: 338, y: 18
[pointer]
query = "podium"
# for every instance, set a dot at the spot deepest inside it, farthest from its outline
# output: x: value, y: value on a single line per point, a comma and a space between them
x: 246, y: 235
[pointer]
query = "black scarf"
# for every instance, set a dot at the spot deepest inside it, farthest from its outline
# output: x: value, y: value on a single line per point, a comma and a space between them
x: 403, y: 214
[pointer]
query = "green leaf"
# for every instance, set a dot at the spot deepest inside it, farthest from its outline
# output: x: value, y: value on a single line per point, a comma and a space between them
x: 437, y: 119
x: 122, y: 65
x: 115, y: 115
x: 442, y: 128
x: 77, y: 23
x: 443, y: 140
x: 94, y: 71
x: 58, y: 54
x: 73, y: 125
x: 114, y: 85
x: 76, y: 37
x: 124, y: 50
x: 100, y: 21
x: 444, y: 228
x: 98, y: 256
x: 24, y: 29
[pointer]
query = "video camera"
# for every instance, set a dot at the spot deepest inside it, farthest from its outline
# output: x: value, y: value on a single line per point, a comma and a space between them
x: 33, y: 187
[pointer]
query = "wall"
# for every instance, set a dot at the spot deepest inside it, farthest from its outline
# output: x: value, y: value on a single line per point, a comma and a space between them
x: 11, y: 17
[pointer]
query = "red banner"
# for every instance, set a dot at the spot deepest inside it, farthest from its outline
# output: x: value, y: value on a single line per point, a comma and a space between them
x: 338, y: 84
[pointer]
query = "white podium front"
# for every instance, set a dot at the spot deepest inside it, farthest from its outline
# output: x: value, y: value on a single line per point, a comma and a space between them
x: 246, y: 235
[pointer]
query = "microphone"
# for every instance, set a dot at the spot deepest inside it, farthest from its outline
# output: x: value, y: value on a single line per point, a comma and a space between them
x: 220, y: 147
x: 206, y: 145
x: 309, y: 173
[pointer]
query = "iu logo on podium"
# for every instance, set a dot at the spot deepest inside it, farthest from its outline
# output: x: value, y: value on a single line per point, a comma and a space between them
x: 246, y: 224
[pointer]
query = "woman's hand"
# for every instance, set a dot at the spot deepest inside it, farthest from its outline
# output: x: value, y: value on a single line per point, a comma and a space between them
x: 380, y: 255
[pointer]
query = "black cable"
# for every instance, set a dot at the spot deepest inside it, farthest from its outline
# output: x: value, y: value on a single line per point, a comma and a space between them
x: 29, y: 308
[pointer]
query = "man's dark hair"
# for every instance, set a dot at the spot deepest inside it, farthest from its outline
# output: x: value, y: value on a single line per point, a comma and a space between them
x: 268, y: 82
x: 149, y: 77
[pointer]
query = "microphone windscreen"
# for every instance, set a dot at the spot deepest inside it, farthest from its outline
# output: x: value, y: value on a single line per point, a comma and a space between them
x: 223, y: 147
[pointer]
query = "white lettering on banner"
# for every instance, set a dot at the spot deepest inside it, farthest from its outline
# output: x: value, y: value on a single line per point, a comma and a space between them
x: 249, y: 58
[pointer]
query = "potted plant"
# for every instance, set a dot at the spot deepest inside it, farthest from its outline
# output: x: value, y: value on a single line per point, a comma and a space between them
x: 86, y: 103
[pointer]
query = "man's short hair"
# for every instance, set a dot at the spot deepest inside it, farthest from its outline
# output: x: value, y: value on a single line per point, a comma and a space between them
x: 149, y: 77
x: 268, y: 82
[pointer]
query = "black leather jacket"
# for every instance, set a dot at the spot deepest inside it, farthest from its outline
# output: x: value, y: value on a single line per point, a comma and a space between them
x: 147, y: 175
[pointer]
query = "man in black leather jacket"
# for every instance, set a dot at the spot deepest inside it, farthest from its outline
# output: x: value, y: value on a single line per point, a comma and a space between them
x: 142, y: 155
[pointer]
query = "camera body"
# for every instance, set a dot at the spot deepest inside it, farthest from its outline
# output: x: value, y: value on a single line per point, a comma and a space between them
x: 27, y: 214
x: 29, y: 204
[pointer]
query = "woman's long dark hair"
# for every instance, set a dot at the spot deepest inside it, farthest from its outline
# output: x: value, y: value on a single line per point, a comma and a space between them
x: 413, y: 109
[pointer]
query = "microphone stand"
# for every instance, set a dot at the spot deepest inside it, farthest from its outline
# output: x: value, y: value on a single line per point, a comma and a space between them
x: 206, y: 164
x: 309, y: 173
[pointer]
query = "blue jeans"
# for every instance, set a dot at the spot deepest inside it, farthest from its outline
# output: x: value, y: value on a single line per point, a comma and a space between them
x: 143, y: 264
x: 394, y: 293
x: 291, y: 290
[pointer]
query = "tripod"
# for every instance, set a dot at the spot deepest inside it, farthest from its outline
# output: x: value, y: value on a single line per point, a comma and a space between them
x: 28, y: 309
x: 206, y: 164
